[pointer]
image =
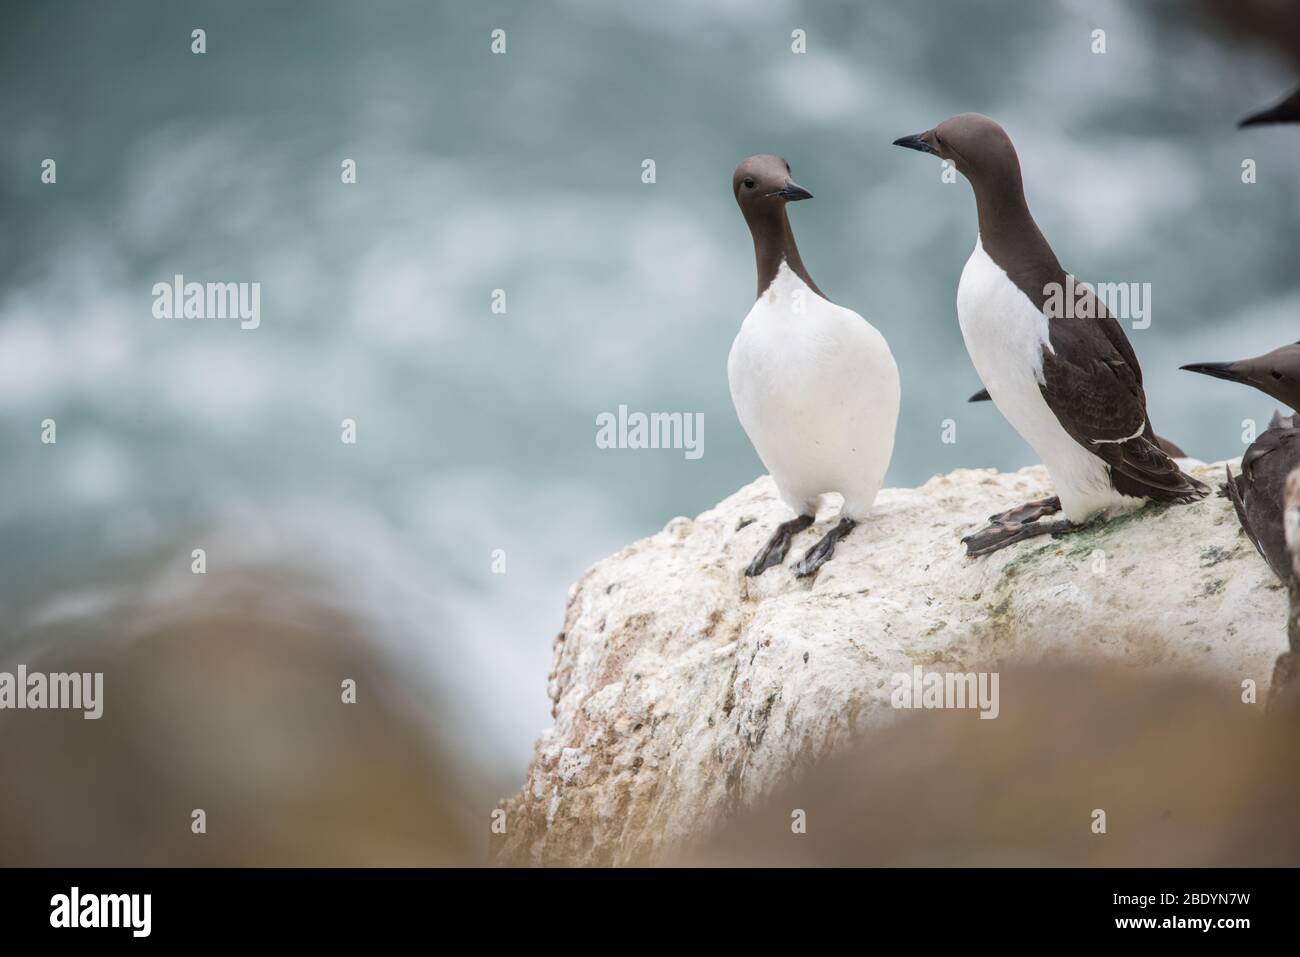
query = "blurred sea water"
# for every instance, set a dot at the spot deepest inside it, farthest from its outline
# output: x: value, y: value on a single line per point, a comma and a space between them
x: 522, y: 172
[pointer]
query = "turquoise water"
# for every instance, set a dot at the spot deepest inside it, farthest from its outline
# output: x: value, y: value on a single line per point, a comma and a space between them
x: 522, y: 172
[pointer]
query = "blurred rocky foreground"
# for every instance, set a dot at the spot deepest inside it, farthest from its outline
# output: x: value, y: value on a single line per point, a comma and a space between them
x: 698, y: 713
x: 233, y: 707
x: 705, y: 718
x: 1185, y: 775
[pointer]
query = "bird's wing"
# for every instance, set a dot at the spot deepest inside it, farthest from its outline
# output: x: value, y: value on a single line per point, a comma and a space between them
x: 1257, y: 493
x: 1093, y: 384
x: 1234, y: 490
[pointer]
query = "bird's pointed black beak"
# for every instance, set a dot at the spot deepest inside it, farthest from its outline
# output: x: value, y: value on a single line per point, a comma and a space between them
x: 1219, y: 370
x: 917, y: 142
x: 792, y: 192
x: 1274, y: 114
x: 1284, y: 112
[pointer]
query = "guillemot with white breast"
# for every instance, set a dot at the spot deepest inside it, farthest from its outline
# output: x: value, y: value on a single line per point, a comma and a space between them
x: 814, y: 384
x: 1071, y: 387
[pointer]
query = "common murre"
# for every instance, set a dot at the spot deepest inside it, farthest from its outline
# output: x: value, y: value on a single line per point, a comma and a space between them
x: 814, y: 384
x: 1256, y: 493
x: 1072, y: 388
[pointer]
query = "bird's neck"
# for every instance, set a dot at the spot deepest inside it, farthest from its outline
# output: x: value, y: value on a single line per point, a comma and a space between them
x: 1012, y: 239
x: 774, y: 244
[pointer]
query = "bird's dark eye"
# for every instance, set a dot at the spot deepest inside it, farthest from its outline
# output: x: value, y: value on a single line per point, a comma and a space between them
x: 749, y: 184
x: 1275, y: 374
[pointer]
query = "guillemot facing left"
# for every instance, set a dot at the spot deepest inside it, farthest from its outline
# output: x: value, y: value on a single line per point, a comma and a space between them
x: 1256, y: 493
x: 1071, y: 387
x: 814, y: 384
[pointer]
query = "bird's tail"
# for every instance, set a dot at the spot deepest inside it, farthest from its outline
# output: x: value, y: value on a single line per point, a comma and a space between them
x: 1142, y: 469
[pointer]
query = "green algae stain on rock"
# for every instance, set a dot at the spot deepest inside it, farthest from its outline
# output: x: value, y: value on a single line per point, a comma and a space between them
x: 1215, y: 554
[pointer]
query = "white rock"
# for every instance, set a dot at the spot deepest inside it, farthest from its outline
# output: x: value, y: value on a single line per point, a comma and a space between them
x: 683, y: 690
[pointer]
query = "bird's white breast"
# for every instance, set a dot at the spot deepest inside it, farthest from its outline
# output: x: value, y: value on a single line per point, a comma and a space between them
x: 816, y: 390
x: 1006, y: 335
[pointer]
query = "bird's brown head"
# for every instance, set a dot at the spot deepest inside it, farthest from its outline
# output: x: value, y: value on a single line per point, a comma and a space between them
x: 1276, y: 373
x: 977, y: 146
x: 763, y: 185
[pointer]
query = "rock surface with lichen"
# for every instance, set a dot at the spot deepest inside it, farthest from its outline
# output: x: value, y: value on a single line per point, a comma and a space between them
x: 683, y: 690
